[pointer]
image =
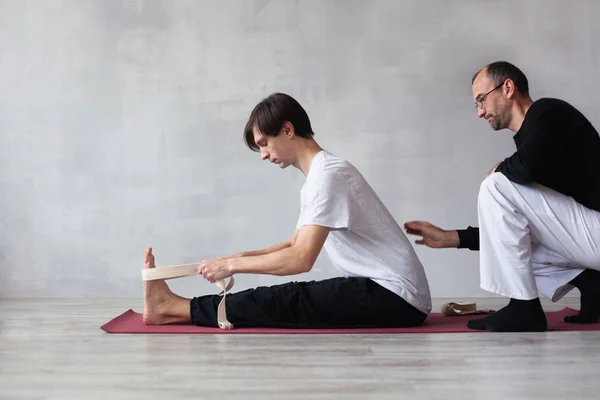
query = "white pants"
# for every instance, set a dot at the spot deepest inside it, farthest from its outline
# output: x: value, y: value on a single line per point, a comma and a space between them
x: 533, y: 239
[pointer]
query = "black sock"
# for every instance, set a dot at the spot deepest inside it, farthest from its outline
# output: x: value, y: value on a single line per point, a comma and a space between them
x: 588, y: 283
x: 517, y: 316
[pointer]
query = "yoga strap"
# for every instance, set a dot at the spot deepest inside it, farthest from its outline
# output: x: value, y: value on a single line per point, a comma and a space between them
x: 221, y: 312
x: 454, y: 308
x: 178, y: 271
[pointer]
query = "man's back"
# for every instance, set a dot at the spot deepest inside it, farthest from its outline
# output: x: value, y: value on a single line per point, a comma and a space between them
x: 557, y: 147
x: 365, y: 240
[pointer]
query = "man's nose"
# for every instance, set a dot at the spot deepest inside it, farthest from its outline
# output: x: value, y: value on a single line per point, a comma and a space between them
x: 480, y: 112
x: 264, y: 155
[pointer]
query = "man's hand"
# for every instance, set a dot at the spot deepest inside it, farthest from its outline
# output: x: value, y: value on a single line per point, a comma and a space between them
x: 216, y: 269
x: 493, y: 169
x: 432, y: 236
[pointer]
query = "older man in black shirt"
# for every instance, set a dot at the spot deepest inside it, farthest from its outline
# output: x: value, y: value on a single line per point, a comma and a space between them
x: 539, y: 209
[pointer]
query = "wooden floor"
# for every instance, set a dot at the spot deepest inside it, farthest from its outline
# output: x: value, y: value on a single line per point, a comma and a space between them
x: 53, y: 349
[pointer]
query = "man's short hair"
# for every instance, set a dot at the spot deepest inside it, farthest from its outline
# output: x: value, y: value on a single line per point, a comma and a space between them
x: 269, y: 115
x: 500, y: 71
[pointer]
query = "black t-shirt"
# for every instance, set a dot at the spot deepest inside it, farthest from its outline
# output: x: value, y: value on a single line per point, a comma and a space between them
x: 556, y: 147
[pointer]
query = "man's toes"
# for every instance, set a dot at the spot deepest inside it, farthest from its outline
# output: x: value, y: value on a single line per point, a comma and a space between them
x: 574, y: 319
x: 477, y: 324
x: 149, y: 258
x: 571, y: 319
x: 581, y: 319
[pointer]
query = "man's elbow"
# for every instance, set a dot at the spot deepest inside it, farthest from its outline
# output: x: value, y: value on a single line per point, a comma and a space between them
x: 305, y: 265
x: 305, y: 261
x: 522, y: 175
x: 521, y: 178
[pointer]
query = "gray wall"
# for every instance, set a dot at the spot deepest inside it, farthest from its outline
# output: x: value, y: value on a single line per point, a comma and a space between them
x: 120, y: 124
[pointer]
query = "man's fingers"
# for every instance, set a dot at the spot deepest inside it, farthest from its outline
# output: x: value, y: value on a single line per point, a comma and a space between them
x: 422, y: 241
x: 414, y: 228
x: 416, y: 223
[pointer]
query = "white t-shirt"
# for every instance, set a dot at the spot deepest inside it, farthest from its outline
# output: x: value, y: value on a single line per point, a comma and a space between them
x: 364, y: 240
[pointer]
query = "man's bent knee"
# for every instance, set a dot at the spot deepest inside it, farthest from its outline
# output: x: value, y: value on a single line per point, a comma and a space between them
x: 495, y: 182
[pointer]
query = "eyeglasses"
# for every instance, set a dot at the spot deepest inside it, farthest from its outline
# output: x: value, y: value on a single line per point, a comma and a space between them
x: 479, y: 102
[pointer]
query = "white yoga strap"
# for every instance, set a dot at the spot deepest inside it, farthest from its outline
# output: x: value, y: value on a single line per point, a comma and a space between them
x: 463, y: 308
x: 178, y: 271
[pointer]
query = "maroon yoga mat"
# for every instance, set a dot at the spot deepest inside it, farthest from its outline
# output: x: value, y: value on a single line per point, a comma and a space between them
x: 131, y: 322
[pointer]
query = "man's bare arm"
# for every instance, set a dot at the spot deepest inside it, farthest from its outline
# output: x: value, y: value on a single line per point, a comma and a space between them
x: 297, y: 258
x: 272, y: 249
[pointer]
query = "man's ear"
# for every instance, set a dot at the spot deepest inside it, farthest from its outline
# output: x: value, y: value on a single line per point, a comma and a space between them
x: 509, y: 88
x: 288, y: 129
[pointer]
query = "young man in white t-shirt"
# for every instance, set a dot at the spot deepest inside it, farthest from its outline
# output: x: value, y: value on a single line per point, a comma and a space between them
x: 383, y: 283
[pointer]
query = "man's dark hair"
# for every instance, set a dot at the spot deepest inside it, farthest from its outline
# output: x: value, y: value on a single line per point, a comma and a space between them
x: 500, y: 71
x: 270, y: 114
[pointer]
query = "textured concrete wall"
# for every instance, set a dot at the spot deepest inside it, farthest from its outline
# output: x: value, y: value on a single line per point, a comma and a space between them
x: 121, y: 124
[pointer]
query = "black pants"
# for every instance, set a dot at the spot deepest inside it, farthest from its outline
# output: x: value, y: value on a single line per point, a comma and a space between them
x: 331, y: 303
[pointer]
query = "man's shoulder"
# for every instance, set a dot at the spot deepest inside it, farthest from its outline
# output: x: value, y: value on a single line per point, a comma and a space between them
x: 333, y: 174
x: 330, y: 166
x: 555, y: 111
x: 552, y: 105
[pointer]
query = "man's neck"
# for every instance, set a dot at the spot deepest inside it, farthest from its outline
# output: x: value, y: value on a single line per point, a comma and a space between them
x: 307, y: 150
x: 519, y: 111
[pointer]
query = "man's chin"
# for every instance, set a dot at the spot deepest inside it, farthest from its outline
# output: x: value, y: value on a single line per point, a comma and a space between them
x: 495, y: 126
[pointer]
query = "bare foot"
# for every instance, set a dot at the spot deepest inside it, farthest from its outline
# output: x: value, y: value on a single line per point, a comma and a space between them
x: 161, y: 306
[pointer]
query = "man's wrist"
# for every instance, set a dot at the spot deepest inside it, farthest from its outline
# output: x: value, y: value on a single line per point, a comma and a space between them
x: 452, y: 239
x: 233, y: 266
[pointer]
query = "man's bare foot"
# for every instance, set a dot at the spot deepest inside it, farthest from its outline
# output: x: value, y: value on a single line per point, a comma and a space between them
x: 161, y: 306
